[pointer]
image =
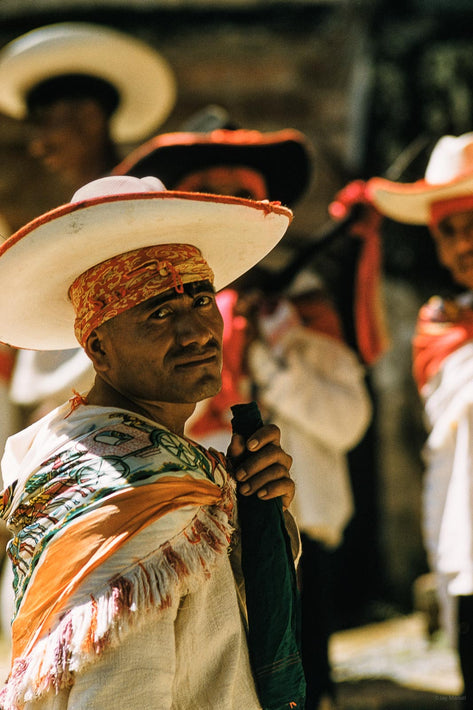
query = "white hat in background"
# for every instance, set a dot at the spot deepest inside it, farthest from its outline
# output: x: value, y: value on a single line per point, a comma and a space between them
x: 142, y: 78
x: 449, y: 175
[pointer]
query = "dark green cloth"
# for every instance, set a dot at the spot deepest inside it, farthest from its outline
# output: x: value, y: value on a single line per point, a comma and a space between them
x: 272, y: 601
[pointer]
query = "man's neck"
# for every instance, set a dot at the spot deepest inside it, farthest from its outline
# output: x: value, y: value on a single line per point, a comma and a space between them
x: 169, y: 414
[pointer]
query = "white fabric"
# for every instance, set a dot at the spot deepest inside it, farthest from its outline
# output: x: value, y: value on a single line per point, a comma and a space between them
x: 192, y: 657
x: 318, y: 398
x: 448, y: 453
x: 48, y: 377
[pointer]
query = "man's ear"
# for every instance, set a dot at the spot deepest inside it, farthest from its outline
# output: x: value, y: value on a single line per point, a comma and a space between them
x: 96, y: 351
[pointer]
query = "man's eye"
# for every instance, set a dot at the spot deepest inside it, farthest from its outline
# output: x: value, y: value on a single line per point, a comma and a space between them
x: 445, y: 232
x: 161, y: 312
x: 203, y: 300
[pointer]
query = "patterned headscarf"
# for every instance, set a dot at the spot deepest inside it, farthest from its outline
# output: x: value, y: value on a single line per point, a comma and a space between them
x: 124, y: 281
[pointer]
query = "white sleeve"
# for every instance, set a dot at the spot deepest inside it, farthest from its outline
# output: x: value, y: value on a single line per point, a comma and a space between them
x: 137, y: 674
x: 51, y: 374
x: 121, y: 676
x: 319, y: 387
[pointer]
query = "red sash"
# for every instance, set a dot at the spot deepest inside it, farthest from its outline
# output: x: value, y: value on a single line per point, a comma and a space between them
x: 443, y: 326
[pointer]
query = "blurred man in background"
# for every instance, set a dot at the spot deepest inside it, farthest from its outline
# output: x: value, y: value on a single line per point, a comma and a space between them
x: 85, y: 91
x: 443, y: 371
x: 283, y: 344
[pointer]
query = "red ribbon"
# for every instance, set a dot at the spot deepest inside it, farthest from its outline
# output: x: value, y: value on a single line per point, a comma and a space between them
x: 370, y: 324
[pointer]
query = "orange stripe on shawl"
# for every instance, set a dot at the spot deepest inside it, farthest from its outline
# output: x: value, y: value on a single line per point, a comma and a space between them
x: 89, y: 541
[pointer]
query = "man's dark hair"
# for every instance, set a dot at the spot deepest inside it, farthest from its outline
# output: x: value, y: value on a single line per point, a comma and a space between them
x: 73, y: 86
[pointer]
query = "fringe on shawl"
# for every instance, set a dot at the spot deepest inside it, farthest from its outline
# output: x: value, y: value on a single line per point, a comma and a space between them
x: 146, y: 588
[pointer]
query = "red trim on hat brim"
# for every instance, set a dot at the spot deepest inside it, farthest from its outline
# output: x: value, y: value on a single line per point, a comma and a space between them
x: 284, y: 158
x: 419, y: 187
x: 220, y: 136
x: 265, y: 206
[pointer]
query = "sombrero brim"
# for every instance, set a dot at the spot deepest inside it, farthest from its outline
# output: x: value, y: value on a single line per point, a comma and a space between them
x: 410, y: 202
x: 282, y: 157
x: 141, y: 76
x: 40, y: 261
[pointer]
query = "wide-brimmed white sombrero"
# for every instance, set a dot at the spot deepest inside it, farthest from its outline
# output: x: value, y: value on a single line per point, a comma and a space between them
x: 449, y: 174
x: 141, y: 76
x: 111, y: 216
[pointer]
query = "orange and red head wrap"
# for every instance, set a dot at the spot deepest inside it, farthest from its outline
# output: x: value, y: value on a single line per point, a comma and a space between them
x: 124, y: 281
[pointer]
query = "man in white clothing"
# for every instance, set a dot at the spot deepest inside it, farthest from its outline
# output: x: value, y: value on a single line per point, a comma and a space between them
x: 122, y: 527
x: 443, y: 370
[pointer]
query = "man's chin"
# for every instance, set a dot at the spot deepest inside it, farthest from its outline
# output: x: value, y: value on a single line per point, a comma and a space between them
x: 209, y: 390
x: 204, y: 389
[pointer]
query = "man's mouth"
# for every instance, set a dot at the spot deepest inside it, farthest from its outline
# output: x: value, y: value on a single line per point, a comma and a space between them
x: 197, y: 359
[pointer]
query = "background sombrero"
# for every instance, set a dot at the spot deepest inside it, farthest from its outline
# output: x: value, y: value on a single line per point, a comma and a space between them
x: 449, y: 175
x: 142, y: 77
x: 282, y: 157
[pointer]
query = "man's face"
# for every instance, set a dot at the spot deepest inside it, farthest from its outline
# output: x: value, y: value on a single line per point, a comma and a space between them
x: 453, y: 238
x: 63, y: 137
x: 168, y: 348
x: 226, y: 180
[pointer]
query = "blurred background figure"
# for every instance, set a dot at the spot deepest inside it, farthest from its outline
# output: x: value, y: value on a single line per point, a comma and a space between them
x: 443, y: 371
x: 84, y: 91
x: 284, y: 346
x: 243, y: 163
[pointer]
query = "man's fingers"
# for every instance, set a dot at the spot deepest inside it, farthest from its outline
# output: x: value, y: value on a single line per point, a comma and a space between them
x: 263, y: 460
x: 267, y: 434
x: 272, y: 483
x: 264, y: 469
x: 273, y: 477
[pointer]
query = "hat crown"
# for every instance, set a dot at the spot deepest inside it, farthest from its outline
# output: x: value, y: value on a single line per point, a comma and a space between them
x: 117, y: 185
x: 451, y: 158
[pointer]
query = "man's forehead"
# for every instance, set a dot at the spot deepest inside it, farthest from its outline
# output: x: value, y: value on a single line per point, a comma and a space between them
x: 190, y: 289
x: 456, y: 219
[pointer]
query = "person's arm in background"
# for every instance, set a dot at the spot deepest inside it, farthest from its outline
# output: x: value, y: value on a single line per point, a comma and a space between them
x: 310, y: 378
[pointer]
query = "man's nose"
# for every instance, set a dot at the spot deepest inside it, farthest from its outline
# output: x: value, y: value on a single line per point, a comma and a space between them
x: 190, y: 328
x: 37, y: 146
